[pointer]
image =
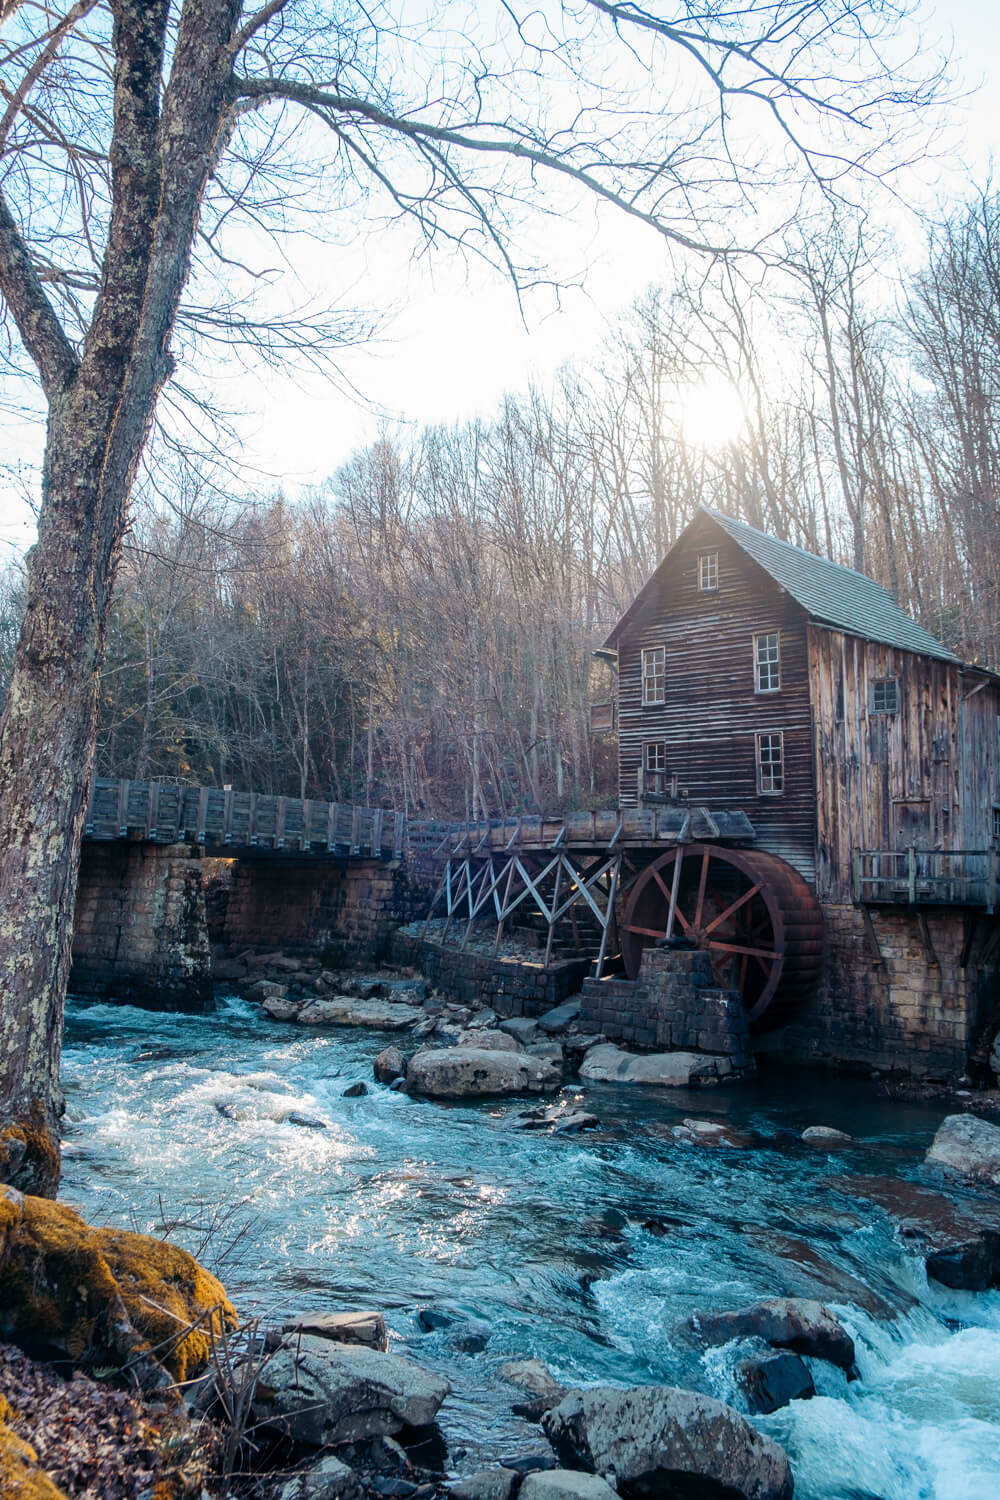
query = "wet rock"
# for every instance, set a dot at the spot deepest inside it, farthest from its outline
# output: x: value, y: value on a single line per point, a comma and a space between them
x: 796, y: 1323
x: 960, y: 1243
x: 565, y: 1484
x: 559, y: 1018
x: 266, y: 989
x: 389, y: 1065
x: 561, y: 1119
x: 825, y: 1135
x: 522, y: 1028
x: 319, y: 1392
x: 432, y: 1319
x: 607, y: 1063
x: 286, y: 964
x: 329, y: 1479
x: 305, y: 1122
x: 493, y: 1040
x: 660, y: 1440
x: 366, y: 1328
x: 474, y: 1072
x: 426, y: 1027
x: 472, y: 1340
x: 533, y: 1376
x: 355, y: 1090
x: 486, y: 1484
x: 969, y: 1146
x: 693, y: 1132
x: 344, y: 1010
x: 772, y: 1380
x: 548, y: 1051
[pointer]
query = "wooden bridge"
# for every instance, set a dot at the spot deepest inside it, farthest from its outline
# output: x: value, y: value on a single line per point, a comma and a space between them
x: 244, y: 823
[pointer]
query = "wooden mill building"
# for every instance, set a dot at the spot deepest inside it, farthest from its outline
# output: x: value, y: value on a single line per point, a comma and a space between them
x: 757, y: 679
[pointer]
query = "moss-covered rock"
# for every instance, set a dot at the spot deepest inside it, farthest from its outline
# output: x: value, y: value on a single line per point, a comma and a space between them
x: 29, y: 1155
x: 105, y: 1296
x: 21, y: 1478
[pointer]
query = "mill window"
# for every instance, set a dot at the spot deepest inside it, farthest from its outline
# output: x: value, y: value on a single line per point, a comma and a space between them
x: 766, y: 663
x: 770, y: 764
x: 884, y: 695
x: 654, y: 674
x: 708, y: 572
x: 654, y: 756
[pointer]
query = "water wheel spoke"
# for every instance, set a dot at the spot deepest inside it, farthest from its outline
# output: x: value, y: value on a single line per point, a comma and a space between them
x: 767, y: 953
x: 734, y: 907
x: 702, y: 882
x: 660, y: 932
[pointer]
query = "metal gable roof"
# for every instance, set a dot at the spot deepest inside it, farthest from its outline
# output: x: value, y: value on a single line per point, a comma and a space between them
x: 832, y: 594
x: 829, y: 593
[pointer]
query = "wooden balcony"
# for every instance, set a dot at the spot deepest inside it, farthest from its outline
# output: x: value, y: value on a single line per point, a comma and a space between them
x: 927, y: 877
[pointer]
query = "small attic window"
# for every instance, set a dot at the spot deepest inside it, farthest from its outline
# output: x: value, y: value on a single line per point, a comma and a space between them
x: 884, y: 695
x: 708, y: 572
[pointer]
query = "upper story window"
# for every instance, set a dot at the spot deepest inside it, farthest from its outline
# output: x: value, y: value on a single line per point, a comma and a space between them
x: 766, y: 663
x: 708, y: 572
x: 654, y: 674
x: 771, y: 764
x: 884, y: 695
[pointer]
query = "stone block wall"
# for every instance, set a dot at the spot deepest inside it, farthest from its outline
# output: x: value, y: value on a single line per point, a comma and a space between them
x: 507, y: 986
x: 674, y: 1005
x: 918, y: 1010
x: 346, y: 909
x: 140, y: 932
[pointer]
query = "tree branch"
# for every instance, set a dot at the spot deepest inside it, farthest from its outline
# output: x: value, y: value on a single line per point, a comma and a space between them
x: 43, y: 335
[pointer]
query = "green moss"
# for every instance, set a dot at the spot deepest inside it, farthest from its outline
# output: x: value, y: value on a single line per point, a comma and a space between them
x: 29, y: 1155
x: 20, y: 1476
x: 105, y: 1295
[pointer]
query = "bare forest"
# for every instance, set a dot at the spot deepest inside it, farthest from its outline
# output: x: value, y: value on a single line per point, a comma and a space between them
x: 419, y: 632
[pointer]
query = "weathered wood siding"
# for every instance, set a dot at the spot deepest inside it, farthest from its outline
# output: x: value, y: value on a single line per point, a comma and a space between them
x: 926, y: 775
x: 712, y: 714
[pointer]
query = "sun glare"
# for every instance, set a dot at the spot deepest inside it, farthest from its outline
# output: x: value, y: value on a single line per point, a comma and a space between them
x: 712, y: 414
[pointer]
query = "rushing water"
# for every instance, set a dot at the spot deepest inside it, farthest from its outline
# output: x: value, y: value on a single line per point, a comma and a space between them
x: 590, y: 1252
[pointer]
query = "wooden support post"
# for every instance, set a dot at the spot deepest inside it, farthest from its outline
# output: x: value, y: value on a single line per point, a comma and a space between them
x: 202, y: 808
x: 153, y: 809
x: 377, y: 817
x: 502, y: 913
x: 911, y: 876
x: 674, y: 888
x: 872, y: 938
x: 123, y: 787
x: 437, y: 896
x: 280, y: 809
x: 552, y: 914
x: 856, y: 864
x: 609, y: 916
x: 227, y: 816
x: 925, y: 937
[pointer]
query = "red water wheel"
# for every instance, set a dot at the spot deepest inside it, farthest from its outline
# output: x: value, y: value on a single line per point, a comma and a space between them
x: 751, y: 911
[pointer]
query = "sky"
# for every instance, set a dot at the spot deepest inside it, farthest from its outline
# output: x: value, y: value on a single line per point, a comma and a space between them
x: 453, y: 340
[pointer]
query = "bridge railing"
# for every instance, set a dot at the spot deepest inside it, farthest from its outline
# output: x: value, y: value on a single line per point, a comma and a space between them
x: 162, y: 812
x: 927, y: 877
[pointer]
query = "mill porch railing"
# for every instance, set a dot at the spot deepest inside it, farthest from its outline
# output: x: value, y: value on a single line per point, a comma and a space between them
x: 927, y: 877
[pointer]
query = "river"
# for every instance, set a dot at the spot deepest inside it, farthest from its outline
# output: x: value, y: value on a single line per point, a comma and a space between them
x: 590, y: 1252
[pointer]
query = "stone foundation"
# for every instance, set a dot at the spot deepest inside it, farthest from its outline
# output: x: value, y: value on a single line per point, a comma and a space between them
x: 918, y: 1010
x: 674, y: 1005
x: 140, y: 932
x: 509, y: 987
x: 345, y: 911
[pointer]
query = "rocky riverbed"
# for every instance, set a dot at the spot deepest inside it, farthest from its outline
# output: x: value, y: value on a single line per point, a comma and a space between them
x: 590, y: 1234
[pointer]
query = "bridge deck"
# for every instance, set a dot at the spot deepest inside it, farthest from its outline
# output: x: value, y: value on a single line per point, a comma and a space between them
x: 160, y: 812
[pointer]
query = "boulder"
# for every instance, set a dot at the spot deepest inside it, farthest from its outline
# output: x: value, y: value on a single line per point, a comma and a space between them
x: 282, y: 1007
x: 305, y: 1122
x: 485, y: 1484
x: 343, y: 1327
x: 327, y: 1480
x: 542, y: 1389
x: 345, y: 1010
x: 969, y: 1146
x: 561, y: 1119
x: 389, y: 1065
x: 266, y: 989
x: 796, y: 1323
x: 560, y: 1017
x: 493, y: 1040
x: 474, y: 1072
x: 607, y: 1063
x: 660, y: 1440
x: 320, y: 1392
x: 826, y: 1136
x: 565, y: 1484
x: 694, y: 1132
x: 522, y: 1028
x: 355, y: 1090
x: 770, y: 1381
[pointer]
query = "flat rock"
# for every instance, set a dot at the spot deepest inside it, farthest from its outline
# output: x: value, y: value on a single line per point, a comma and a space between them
x: 485, y: 1484
x: 559, y: 1017
x: 266, y: 989
x: 345, y: 1010
x: 522, y: 1028
x: 282, y: 1007
x: 389, y: 1065
x: 493, y: 1040
x: 607, y: 1063
x: 697, y: 1132
x: 533, y: 1376
x: 328, y: 1479
x: 960, y: 1243
x: 343, y: 1327
x: 474, y: 1072
x: 320, y: 1392
x: 825, y: 1135
x: 969, y: 1146
x: 797, y: 1323
x: 565, y: 1484
x: 770, y: 1381
x: 663, y: 1441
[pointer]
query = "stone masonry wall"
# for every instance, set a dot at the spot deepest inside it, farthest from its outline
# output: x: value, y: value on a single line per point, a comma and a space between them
x: 908, y: 1013
x: 673, y: 1005
x: 509, y: 987
x: 139, y: 931
x: 347, y: 909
